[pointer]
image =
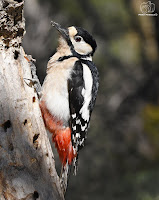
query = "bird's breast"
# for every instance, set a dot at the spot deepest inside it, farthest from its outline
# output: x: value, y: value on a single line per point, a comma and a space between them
x: 55, y: 90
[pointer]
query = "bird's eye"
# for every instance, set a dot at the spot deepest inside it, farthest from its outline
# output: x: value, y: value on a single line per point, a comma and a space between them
x: 78, y: 38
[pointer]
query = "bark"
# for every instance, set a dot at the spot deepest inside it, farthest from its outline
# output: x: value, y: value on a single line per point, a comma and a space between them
x: 27, y: 167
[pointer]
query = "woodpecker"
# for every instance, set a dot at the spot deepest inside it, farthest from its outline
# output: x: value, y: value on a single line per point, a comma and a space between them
x: 69, y: 93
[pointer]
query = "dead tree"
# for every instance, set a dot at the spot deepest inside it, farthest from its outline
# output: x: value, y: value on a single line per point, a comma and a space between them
x: 27, y: 168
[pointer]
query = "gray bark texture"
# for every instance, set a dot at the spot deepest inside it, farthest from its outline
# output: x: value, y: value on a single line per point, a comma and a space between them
x: 27, y: 167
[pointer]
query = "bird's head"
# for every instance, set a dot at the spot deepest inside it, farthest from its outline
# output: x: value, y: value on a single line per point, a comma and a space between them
x: 80, y: 42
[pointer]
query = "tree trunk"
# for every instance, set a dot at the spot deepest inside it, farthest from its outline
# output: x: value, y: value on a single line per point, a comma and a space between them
x: 27, y: 167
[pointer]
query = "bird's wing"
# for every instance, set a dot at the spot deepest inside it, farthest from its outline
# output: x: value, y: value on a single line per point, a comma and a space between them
x: 79, y: 126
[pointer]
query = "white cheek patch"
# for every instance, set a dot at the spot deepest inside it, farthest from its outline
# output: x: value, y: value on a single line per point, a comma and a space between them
x: 81, y: 47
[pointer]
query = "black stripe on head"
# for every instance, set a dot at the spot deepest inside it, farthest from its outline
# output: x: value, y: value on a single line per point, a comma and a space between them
x: 87, y: 37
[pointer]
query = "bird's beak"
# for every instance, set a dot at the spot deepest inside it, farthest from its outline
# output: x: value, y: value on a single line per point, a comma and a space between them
x: 63, y: 32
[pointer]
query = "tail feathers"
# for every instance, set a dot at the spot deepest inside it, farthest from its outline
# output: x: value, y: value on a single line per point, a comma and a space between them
x: 64, y: 177
x: 67, y: 154
x: 75, y: 165
x: 66, y: 172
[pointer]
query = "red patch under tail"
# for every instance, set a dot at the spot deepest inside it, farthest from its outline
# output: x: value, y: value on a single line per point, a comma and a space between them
x: 63, y: 144
x: 61, y: 136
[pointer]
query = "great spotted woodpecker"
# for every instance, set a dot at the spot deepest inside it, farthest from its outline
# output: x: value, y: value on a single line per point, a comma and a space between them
x: 69, y: 93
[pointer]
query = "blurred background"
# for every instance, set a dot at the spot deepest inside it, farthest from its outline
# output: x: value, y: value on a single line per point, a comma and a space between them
x: 121, y: 157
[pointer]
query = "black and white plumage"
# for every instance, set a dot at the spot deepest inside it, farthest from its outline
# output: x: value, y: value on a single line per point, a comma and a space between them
x: 82, y: 87
x: 69, y: 93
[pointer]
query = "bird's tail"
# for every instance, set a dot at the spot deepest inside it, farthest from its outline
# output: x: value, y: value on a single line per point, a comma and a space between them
x: 64, y: 177
x: 66, y: 171
x: 63, y: 144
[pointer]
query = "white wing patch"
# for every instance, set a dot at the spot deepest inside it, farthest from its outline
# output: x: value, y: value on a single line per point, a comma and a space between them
x: 78, y: 121
x: 82, y: 141
x: 86, y: 92
x: 74, y: 115
x: 84, y: 127
x: 77, y: 135
x: 74, y: 128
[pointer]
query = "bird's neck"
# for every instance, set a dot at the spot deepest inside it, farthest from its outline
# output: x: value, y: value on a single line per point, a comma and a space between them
x: 63, y: 48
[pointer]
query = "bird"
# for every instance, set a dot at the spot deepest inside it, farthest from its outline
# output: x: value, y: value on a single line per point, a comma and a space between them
x: 69, y: 93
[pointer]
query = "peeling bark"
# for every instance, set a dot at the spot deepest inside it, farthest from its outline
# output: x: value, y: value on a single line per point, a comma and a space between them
x: 27, y: 168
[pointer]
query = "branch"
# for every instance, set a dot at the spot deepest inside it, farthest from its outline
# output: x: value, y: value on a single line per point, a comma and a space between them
x: 27, y: 167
